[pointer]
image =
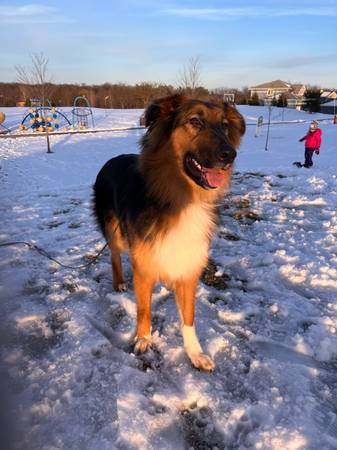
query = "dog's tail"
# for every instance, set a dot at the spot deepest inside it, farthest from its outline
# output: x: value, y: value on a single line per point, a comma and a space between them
x: 99, y: 206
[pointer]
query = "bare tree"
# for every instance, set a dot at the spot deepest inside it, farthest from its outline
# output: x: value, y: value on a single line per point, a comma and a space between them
x: 145, y: 92
x: 35, y: 81
x: 189, y: 78
x: 25, y: 86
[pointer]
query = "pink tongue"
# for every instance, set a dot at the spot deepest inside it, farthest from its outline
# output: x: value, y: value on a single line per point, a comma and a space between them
x: 214, y: 177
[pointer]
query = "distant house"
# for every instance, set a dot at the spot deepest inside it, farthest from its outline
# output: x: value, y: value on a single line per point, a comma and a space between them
x: 329, y: 107
x: 328, y: 95
x: 274, y: 89
x: 298, y: 90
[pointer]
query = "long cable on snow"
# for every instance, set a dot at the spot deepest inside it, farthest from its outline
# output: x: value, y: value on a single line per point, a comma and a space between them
x: 48, y: 255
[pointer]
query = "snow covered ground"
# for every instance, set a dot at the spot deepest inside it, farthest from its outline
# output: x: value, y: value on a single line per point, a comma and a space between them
x: 266, y: 312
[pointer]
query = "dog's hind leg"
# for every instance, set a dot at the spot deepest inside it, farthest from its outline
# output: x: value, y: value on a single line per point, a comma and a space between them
x: 185, y: 298
x: 113, y: 237
x: 143, y: 286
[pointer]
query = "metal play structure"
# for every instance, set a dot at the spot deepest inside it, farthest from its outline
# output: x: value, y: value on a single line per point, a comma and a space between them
x: 44, y: 118
x: 82, y: 113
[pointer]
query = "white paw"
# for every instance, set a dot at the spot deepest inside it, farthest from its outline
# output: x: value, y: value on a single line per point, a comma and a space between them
x: 202, y: 361
x: 121, y: 287
x: 143, y: 344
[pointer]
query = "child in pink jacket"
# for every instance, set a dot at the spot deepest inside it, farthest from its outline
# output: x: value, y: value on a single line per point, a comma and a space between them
x: 312, y: 144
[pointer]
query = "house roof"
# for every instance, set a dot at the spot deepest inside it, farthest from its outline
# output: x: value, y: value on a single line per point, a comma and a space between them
x: 327, y: 93
x: 273, y: 85
x: 296, y: 88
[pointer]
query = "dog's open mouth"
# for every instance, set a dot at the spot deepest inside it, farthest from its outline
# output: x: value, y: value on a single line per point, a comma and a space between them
x: 206, y: 177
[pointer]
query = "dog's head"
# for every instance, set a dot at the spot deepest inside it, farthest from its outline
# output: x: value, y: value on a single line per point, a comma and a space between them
x: 204, y: 136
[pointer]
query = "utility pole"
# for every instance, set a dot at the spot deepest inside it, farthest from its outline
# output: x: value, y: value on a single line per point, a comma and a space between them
x: 105, y: 102
x: 269, y: 115
x: 48, y: 143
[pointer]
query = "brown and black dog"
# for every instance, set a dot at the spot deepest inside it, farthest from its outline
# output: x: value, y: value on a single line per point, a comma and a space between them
x: 161, y: 205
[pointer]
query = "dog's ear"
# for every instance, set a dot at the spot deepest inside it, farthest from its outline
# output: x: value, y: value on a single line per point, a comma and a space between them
x: 163, y: 107
x: 237, y: 124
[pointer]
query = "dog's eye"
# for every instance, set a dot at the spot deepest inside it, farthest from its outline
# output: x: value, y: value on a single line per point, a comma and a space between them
x: 196, y: 123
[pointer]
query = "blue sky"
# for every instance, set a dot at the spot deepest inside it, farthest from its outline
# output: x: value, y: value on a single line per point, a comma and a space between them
x: 239, y: 43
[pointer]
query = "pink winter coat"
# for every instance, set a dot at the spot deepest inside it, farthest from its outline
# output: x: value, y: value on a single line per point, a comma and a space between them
x: 313, y: 139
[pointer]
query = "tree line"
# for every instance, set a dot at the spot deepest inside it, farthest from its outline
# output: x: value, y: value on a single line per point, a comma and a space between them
x: 107, y: 95
x: 125, y: 96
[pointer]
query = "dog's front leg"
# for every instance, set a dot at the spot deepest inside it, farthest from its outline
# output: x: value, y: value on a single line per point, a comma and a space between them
x: 143, y: 285
x: 185, y: 297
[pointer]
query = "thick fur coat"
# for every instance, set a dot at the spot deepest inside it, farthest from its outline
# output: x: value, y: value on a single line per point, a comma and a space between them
x: 161, y: 205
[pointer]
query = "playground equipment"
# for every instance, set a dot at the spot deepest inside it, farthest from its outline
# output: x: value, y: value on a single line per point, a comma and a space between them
x: 82, y: 112
x: 44, y: 118
x: 2, y: 119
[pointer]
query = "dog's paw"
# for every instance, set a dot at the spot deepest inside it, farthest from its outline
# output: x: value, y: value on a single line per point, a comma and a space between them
x: 202, y: 361
x: 121, y: 287
x: 142, y: 345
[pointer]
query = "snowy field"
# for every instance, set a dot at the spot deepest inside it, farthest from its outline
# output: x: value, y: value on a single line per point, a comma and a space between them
x: 266, y: 311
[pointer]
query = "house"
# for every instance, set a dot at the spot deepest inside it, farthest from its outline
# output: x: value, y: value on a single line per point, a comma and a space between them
x: 328, y: 100
x: 329, y: 107
x: 270, y: 89
x: 298, y: 90
x: 328, y: 95
x: 274, y: 89
x: 293, y: 101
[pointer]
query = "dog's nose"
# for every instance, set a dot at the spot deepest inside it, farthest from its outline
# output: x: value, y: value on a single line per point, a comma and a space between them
x: 228, y: 155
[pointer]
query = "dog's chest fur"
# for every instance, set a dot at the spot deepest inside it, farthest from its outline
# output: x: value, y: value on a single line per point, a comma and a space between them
x: 183, y: 250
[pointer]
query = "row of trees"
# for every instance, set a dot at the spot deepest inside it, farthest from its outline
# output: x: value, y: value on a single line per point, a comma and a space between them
x: 107, y: 95
x: 123, y: 96
x: 101, y: 96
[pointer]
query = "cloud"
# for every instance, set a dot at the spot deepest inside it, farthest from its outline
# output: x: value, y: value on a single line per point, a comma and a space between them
x: 247, y: 12
x: 31, y: 14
